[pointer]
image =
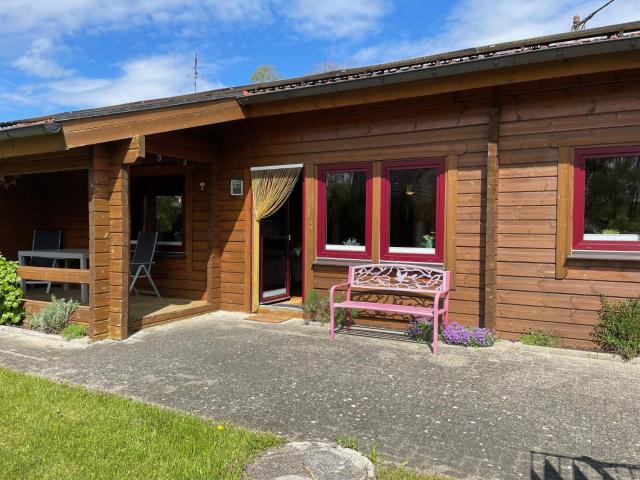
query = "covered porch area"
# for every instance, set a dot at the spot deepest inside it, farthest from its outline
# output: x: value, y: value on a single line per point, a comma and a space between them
x: 91, y: 202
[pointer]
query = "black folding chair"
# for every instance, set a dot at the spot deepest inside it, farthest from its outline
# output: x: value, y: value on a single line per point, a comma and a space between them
x: 142, y: 261
x: 44, y: 240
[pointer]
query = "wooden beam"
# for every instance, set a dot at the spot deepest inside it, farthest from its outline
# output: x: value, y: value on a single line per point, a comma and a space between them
x: 376, y: 208
x: 32, y: 145
x: 56, y: 163
x: 128, y: 151
x: 107, y: 128
x: 450, y: 216
x: 564, y: 206
x: 63, y: 275
x: 491, y: 222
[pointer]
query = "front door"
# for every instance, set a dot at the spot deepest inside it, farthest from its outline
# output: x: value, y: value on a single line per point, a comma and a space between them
x: 275, y: 247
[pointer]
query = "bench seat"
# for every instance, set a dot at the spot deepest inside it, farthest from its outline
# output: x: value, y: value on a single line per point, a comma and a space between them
x: 386, y: 307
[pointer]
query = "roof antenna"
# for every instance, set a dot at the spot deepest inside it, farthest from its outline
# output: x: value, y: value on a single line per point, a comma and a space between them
x: 196, y: 75
x: 579, y: 24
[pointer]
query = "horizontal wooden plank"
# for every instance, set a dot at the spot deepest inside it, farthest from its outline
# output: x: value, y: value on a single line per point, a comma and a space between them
x: 65, y: 275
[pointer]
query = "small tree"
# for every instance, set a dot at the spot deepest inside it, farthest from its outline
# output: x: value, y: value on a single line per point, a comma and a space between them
x: 265, y: 73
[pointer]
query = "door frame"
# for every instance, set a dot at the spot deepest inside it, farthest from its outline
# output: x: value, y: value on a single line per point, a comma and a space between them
x: 287, y: 294
x: 304, y: 239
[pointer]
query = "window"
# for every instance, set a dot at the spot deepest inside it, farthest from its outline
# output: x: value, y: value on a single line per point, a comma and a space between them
x: 606, y: 202
x: 344, y: 211
x: 412, y: 216
x: 157, y: 204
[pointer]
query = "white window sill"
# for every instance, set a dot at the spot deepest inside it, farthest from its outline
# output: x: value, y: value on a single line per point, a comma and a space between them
x: 604, y: 255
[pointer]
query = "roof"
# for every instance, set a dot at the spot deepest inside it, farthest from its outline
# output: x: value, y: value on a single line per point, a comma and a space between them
x: 602, y: 40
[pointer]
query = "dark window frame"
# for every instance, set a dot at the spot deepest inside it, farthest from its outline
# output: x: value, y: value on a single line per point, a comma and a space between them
x: 323, y: 170
x: 579, y: 199
x: 149, y: 220
x: 437, y: 163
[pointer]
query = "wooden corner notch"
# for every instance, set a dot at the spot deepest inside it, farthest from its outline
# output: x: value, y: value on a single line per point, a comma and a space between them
x: 130, y: 150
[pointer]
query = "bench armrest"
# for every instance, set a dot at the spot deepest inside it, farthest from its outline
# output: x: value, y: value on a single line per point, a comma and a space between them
x: 333, y: 289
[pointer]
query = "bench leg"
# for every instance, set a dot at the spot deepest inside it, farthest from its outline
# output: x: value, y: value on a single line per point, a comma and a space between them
x: 332, y: 334
x: 434, y: 345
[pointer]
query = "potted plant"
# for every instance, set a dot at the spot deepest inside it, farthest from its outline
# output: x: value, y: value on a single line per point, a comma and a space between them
x: 429, y: 240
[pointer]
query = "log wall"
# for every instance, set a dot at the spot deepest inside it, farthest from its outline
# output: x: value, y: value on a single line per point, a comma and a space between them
x: 537, y: 121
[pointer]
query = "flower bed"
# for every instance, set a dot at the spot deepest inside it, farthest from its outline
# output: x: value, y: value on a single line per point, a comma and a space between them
x: 455, y: 334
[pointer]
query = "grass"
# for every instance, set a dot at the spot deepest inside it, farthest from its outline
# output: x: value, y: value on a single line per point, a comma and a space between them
x: 73, y: 330
x: 385, y: 471
x: 52, y: 431
x: 540, y: 338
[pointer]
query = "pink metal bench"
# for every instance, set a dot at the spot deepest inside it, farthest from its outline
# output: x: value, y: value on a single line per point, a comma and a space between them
x: 401, y: 279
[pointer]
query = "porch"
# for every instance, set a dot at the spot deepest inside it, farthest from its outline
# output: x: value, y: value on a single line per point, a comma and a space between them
x: 96, y: 200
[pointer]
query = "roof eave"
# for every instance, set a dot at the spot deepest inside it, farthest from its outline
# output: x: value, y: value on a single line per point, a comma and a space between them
x: 493, y: 63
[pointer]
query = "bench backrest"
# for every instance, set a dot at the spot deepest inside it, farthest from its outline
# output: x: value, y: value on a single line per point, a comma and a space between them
x: 399, y: 277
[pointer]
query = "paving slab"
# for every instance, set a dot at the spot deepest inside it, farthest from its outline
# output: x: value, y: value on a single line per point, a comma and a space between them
x: 469, y: 413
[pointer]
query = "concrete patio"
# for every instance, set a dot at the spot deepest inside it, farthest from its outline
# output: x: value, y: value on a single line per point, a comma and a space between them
x: 468, y: 413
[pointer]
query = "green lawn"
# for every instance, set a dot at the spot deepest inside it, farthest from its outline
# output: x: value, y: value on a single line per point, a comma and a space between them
x: 54, y: 431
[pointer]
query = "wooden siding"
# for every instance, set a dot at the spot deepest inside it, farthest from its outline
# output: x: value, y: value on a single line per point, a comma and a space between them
x: 44, y: 201
x: 540, y: 125
x: 420, y: 128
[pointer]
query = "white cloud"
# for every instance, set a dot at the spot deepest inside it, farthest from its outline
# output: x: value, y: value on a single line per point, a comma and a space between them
x: 35, y: 60
x: 140, y: 79
x: 335, y: 19
x: 484, y: 22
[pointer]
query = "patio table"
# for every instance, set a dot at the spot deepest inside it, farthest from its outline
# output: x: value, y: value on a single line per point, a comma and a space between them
x: 66, y: 254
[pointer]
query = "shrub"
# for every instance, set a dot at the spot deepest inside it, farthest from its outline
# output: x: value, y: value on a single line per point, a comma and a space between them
x: 457, y: 334
x: 618, y: 330
x: 316, y: 308
x: 540, y: 338
x: 11, y: 310
x: 54, y: 317
x: 73, y: 330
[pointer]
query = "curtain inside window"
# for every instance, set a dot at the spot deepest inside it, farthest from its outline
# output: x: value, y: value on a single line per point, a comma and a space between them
x: 270, y: 189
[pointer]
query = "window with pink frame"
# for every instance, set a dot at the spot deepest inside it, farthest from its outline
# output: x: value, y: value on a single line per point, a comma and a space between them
x: 606, y: 199
x: 412, y: 217
x: 344, y: 211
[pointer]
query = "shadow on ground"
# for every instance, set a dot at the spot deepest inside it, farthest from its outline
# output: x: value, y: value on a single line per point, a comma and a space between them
x: 546, y: 466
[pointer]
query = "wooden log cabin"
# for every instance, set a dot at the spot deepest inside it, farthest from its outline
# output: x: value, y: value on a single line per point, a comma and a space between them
x: 514, y: 166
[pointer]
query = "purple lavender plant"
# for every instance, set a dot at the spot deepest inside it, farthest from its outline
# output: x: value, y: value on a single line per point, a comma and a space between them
x: 420, y: 330
x: 458, y: 334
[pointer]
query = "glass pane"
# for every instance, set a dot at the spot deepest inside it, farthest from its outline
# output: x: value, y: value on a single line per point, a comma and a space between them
x: 412, y: 213
x: 346, y: 210
x: 612, y: 198
x: 169, y: 218
x: 275, y: 246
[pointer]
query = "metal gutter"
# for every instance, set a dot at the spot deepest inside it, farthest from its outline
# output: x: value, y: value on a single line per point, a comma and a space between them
x: 451, y: 69
x: 33, y: 130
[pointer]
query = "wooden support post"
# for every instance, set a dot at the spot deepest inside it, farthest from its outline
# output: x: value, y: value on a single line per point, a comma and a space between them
x: 564, y: 206
x: 99, y: 241
x: 308, y: 225
x: 120, y: 234
x: 491, y: 222
x: 214, y: 222
x: 450, y: 217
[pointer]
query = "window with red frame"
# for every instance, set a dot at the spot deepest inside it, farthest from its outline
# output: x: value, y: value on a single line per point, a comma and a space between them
x: 412, y: 217
x: 344, y: 211
x: 606, y: 201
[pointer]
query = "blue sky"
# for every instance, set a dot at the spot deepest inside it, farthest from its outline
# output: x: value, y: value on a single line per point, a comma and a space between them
x: 71, y: 54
